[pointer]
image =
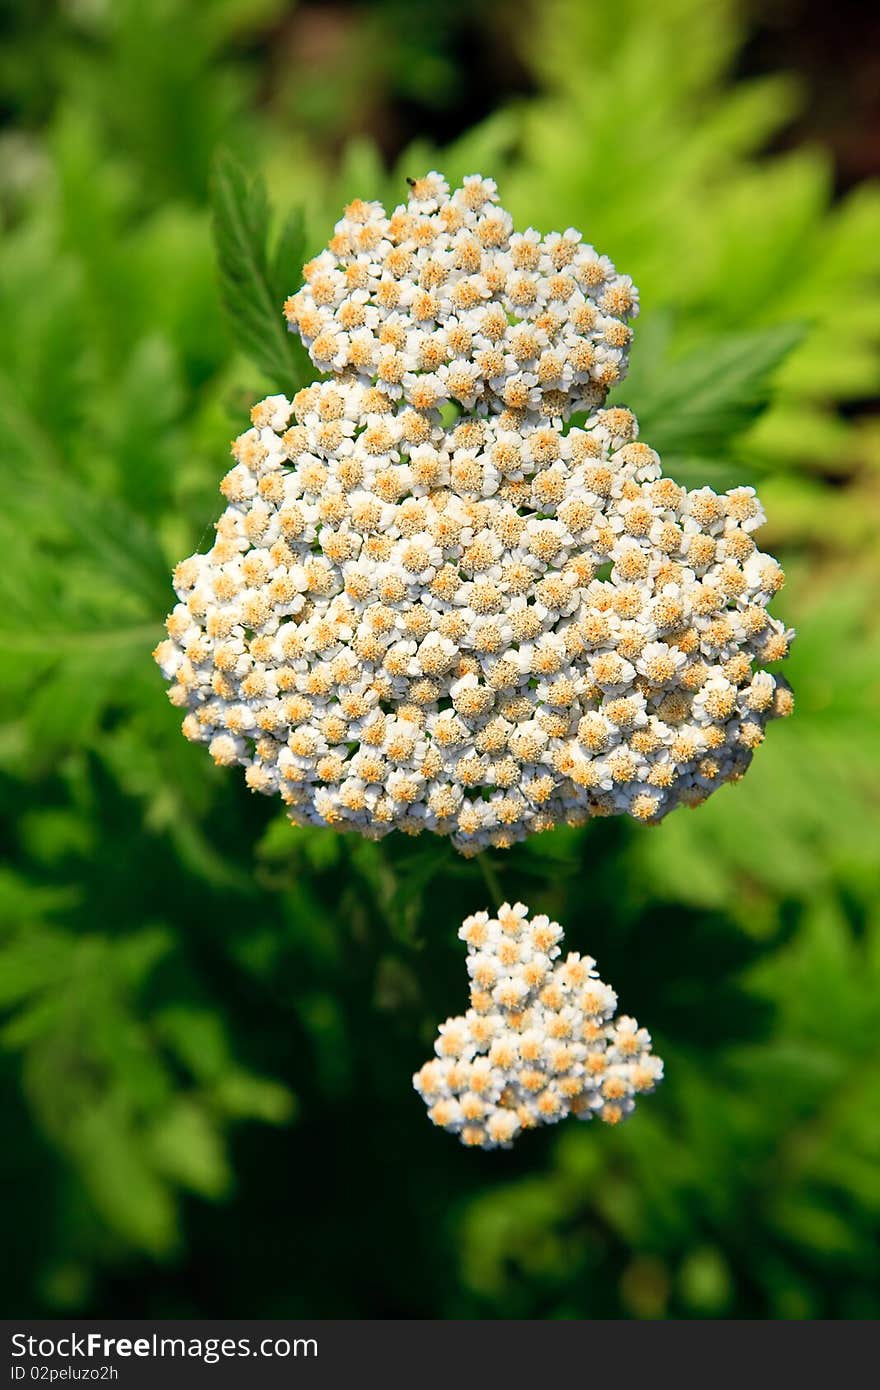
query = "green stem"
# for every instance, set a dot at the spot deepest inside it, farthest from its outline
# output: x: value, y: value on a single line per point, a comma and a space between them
x: 492, y: 881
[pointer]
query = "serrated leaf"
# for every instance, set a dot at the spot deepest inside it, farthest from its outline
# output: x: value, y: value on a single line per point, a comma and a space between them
x: 287, y: 258
x: 250, y: 276
x: 698, y: 403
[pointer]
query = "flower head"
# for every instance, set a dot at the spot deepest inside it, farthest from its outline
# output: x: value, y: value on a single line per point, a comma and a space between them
x: 443, y: 301
x: 480, y: 626
x: 539, y: 1042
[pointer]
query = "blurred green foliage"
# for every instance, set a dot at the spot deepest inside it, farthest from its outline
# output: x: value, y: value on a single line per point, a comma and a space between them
x: 209, y: 1019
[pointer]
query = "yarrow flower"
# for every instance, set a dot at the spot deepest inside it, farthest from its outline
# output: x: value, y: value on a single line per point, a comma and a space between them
x: 444, y: 301
x: 432, y: 604
x: 539, y: 1042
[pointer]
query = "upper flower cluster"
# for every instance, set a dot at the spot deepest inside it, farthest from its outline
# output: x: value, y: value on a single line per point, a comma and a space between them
x: 539, y: 1041
x: 481, y: 626
x: 443, y: 301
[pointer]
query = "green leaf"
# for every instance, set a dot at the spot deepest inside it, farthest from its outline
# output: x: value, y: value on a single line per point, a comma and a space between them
x: 698, y: 403
x: 186, y: 1147
x: 131, y: 1197
x: 105, y: 1074
x: 250, y: 277
x: 288, y: 256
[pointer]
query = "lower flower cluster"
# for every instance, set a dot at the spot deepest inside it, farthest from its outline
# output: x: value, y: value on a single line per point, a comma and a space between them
x: 539, y: 1042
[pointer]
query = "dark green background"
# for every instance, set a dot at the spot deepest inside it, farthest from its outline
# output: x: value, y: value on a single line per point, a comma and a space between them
x: 210, y: 1020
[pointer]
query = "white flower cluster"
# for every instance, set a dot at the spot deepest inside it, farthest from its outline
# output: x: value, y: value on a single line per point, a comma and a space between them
x: 443, y: 301
x: 480, y: 627
x: 539, y: 1041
